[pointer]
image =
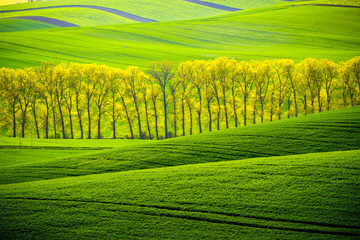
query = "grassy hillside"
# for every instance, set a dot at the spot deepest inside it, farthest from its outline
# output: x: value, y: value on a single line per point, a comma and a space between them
x: 152, y: 9
x: 311, y: 196
x: 340, y: 130
x: 12, y: 25
x: 78, y: 16
x: 276, y: 32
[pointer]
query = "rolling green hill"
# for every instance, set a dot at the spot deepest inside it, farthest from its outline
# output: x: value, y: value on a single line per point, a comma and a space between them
x: 12, y: 25
x: 78, y: 16
x: 273, y: 32
x: 311, y: 196
x: 340, y: 130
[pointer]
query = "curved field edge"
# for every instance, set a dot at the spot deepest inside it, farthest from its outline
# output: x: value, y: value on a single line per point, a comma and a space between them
x: 270, y: 33
x: 323, y: 132
x: 150, y: 9
x: 78, y: 16
x: 13, y: 25
x: 310, y: 195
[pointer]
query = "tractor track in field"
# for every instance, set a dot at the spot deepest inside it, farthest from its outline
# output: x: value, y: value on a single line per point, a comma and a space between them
x: 179, y: 213
x: 105, y: 9
x: 214, y: 5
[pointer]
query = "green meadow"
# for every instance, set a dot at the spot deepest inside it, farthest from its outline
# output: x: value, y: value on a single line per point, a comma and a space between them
x: 288, y: 179
x: 272, y: 32
x: 295, y: 178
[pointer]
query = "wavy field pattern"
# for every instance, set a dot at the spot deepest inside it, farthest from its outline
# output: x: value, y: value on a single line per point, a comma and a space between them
x: 296, y: 178
x: 253, y: 34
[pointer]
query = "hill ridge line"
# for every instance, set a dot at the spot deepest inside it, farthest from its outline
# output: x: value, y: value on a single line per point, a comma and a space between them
x: 105, y: 9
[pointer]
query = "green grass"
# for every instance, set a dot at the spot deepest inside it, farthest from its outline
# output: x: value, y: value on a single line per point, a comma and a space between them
x: 340, y: 130
x: 78, y: 16
x: 16, y: 156
x: 12, y: 25
x: 267, y: 33
x: 311, y: 196
x: 152, y: 9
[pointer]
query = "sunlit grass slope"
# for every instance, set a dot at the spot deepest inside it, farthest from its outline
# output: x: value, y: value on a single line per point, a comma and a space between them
x: 153, y: 9
x: 311, y: 196
x: 328, y: 131
x: 266, y: 33
x: 78, y: 16
x: 12, y: 25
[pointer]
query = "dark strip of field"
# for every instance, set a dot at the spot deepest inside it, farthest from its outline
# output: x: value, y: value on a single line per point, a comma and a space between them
x: 214, y: 5
x: 52, y: 21
x: 327, y: 5
x: 105, y: 9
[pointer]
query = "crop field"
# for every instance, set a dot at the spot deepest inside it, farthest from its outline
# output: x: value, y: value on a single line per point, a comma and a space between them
x: 256, y: 34
x: 294, y: 178
x: 287, y: 185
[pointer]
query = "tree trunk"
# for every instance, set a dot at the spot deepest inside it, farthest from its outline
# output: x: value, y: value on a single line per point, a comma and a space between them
x: 99, y: 123
x: 23, y: 124
x: 262, y: 110
x: 200, y: 108
x: 79, y: 117
x: 280, y: 105
x: 191, y: 120
x: 89, y: 118
x: 47, y: 120
x: 165, y: 115
x: 175, y: 127
x: 183, y: 116
x: 295, y: 104
x: 288, y: 107
x: 218, y: 113
x: 209, y: 111
x: 234, y: 107
x: 156, y: 122
x: 305, y: 103
x: 319, y: 101
x: 225, y: 110
x: 114, y: 122
x: 139, y: 120
x: 254, y: 114
x: 245, y: 99
x: 54, y: 121
x: 61, y: 119
x: 328, y: 101
x: 14, y: 120
x: 71, y: 125
x: 147, y: 118
x: 36, y: 123
x: 199, y: 121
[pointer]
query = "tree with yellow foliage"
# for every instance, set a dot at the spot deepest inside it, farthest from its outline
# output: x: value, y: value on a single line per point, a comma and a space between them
x: 163, y: 72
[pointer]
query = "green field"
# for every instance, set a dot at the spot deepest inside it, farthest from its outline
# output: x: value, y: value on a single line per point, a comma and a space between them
x: 288, y: 179
x: 295, y: 178
x: 257, y: 34
x: 13, y: 25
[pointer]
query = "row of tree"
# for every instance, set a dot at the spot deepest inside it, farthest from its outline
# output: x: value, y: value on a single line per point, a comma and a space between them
x: 74, y: 100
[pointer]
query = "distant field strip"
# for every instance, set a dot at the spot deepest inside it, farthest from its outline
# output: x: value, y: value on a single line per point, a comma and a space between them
x: 52, y: 21
x: 328, y: 5
x: 105, y: 9
x: 214, y: 5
